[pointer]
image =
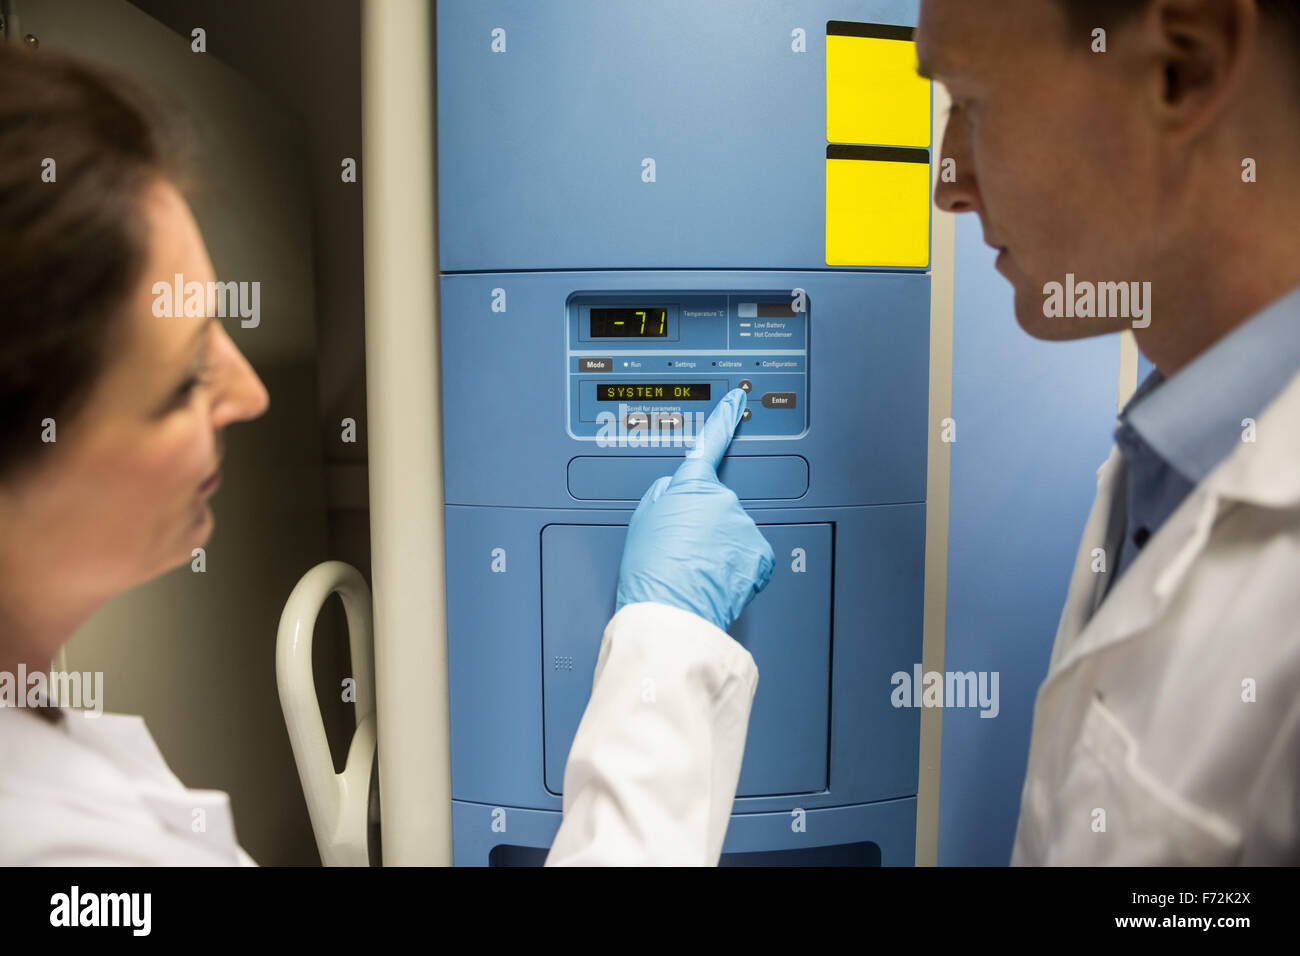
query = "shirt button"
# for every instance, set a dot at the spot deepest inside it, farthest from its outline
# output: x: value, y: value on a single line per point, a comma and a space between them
x: 1140, y: 536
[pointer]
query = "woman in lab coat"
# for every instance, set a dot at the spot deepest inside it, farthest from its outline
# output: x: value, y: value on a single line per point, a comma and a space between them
x: 111, y: 422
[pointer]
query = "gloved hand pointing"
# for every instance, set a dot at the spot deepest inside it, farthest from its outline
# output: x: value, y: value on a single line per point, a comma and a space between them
x: 690, y: 544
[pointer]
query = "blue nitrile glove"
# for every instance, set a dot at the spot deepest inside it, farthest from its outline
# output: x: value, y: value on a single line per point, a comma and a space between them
x: 690, y: 544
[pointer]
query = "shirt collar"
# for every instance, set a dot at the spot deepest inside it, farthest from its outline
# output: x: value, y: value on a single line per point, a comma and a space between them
x: 1194, y: 419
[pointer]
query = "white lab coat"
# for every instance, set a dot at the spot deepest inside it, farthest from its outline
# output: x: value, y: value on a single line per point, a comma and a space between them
x: 96, y: 791
x: 1171, y: 718
x: 1172, y: 714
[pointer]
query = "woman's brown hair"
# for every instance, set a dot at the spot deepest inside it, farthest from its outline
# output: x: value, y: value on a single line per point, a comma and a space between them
x: 79, y: 146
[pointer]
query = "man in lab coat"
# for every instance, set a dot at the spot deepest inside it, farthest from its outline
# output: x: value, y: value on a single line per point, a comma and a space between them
x: 1163, y: 150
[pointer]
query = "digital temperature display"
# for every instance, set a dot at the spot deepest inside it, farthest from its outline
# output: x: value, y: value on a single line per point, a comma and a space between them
x: 647, y: 323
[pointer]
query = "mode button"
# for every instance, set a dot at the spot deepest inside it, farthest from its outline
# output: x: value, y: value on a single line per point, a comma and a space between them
x: 595, y: 364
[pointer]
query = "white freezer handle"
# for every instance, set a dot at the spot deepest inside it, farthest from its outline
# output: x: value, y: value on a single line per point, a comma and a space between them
x: 336, y: 803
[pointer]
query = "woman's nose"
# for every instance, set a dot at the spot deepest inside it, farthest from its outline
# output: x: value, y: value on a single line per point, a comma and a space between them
x: 241, y: 395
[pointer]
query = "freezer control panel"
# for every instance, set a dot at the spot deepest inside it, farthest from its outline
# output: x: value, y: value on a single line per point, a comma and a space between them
x: 652, y: 366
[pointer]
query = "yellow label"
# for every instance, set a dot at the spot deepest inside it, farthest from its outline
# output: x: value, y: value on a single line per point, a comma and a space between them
x: 877, y: 213
x: 873, y: 93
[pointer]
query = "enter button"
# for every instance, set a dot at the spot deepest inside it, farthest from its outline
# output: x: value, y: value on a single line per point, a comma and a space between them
x: 779, y: 400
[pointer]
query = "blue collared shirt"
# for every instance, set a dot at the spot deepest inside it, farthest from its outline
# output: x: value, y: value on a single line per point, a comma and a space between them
x: 1173, y: 432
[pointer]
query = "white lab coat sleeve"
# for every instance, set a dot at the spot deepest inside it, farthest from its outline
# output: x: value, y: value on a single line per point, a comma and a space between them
x: 652, y: 773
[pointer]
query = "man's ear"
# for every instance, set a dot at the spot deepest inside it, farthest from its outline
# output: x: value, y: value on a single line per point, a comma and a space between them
x: 1199, y: 53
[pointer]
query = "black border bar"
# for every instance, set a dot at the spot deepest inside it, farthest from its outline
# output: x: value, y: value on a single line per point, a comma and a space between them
x: 871, y: 31
x: 879, y: 154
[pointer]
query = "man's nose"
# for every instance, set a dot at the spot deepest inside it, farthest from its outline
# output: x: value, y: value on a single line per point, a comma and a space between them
x: 956, y: 189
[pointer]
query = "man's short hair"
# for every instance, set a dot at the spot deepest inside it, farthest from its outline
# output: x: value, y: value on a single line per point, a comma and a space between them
x: 1084, y: 16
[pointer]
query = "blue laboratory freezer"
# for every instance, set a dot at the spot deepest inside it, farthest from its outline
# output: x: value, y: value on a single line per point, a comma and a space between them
x: 634, y: 207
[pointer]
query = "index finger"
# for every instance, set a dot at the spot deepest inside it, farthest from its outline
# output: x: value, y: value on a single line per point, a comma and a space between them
x: 715, y: 437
